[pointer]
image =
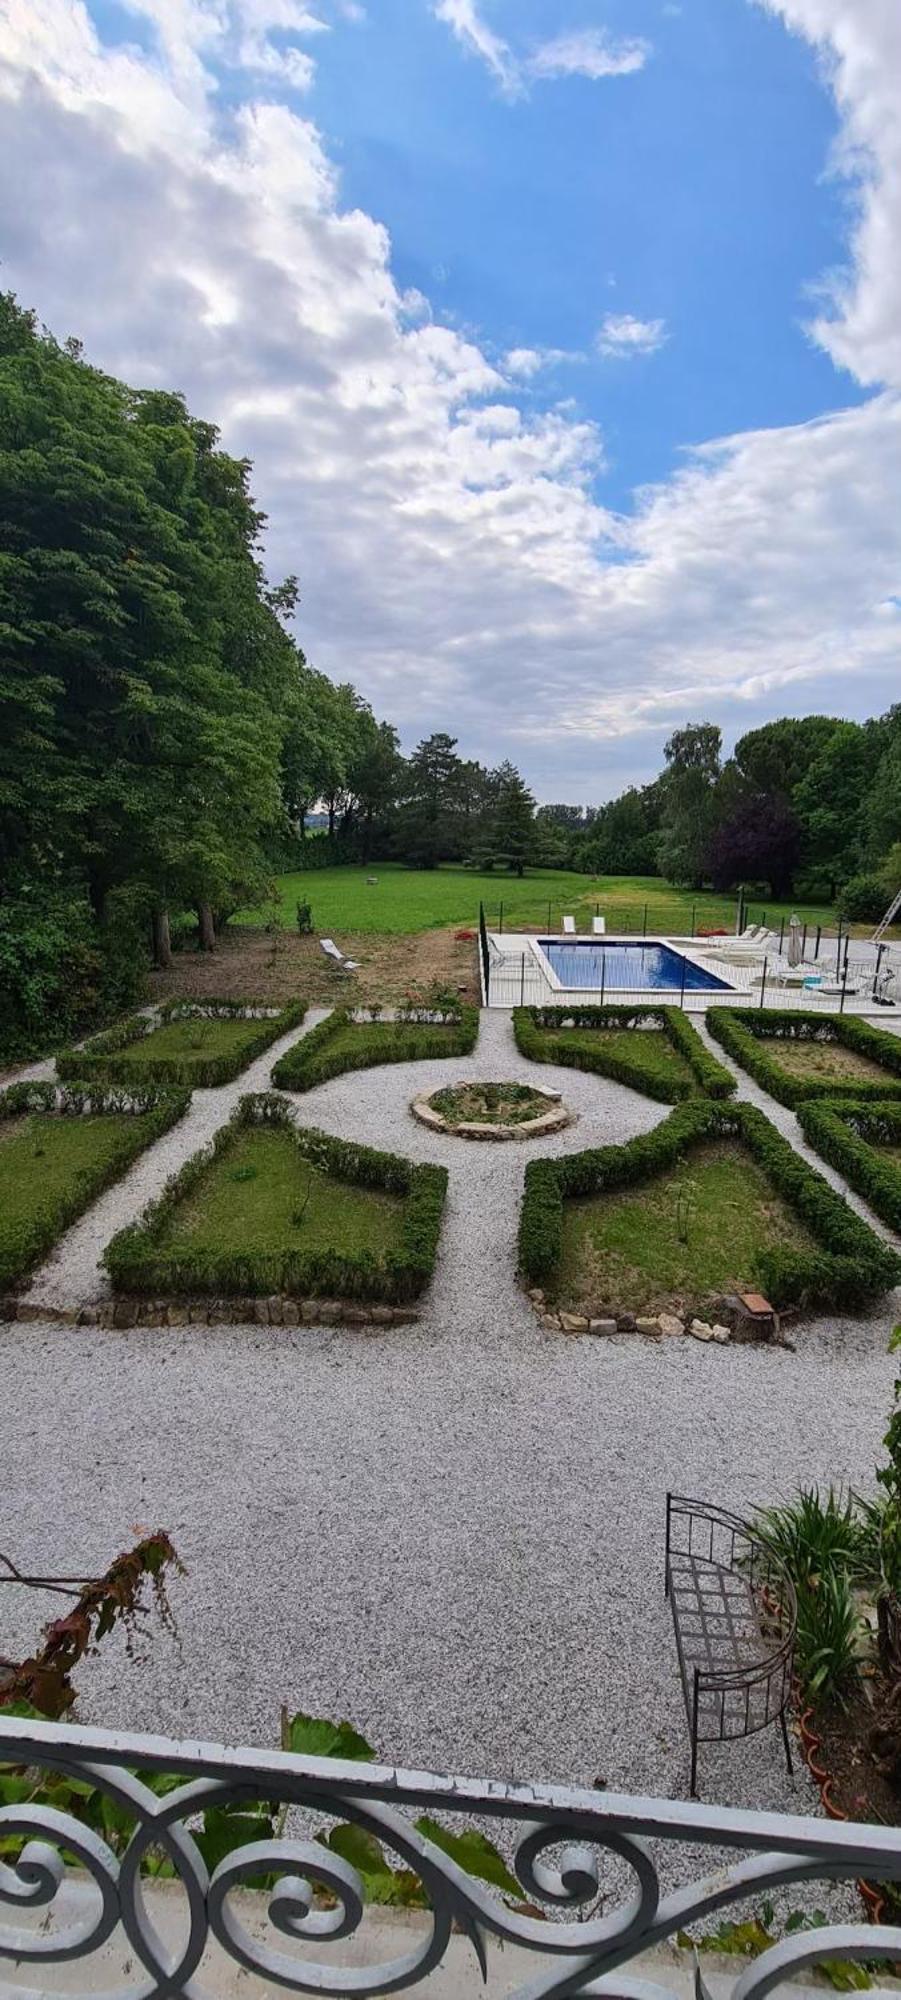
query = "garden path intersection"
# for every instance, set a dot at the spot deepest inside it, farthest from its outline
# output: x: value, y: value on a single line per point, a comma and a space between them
x: 450, y: 1532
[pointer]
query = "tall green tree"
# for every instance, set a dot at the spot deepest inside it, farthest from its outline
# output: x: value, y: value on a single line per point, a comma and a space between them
x: 688, y: 788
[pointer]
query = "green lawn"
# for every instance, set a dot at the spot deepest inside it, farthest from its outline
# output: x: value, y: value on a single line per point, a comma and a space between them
x: 649, y: 1049
x: 262, y: 1195
x: 406, y: 899
x: 190, y: 1041
x: 50, y: 1168
x: 626, y: 1250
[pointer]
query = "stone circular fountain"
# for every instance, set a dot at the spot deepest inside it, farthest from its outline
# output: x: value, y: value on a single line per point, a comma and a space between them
x: 479, y: 1110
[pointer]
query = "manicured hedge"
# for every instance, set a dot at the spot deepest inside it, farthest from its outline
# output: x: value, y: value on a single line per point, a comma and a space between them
x: 99, y: 1057
x: 744, y: 1033
x: 851, y: 1267
x: 138, y: 1260
x: 317, y: 1058
x: 21, y: 1248
x: 849, y: 1137
x: 531, y: 1025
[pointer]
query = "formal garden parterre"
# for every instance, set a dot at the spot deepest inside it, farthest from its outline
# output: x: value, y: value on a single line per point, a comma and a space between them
x: 270, y: 1208
x: 344, y: 1041
x: 656, y: 1050
x: 863, y: 1142
x: 195, y: 1044
x: 799, y: 1056
x: 810, y: 1250
x: 60, y: 1146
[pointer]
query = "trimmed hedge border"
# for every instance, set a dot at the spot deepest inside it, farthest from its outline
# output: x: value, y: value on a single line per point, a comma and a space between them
x: 744, y: 1032
x: 853, y: 1265
x: 530, y: 1024
x: 314, y: 1060
x: 99, y: 1056
x: 161, y: 1108
x: 845, y: 1135
x: 139, y: 1262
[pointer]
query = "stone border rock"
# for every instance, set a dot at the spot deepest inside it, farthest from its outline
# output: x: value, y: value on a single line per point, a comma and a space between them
x: 656, y: 1326
x: 276, y: 1311
x: 528, y: 1128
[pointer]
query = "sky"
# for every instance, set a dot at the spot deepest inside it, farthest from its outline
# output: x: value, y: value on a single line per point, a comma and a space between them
x: 564, y: 335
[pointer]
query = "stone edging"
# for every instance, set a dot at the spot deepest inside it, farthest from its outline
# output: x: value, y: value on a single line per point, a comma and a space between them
x: 527, y: 1128
x: 276, y: 1311
x: 670, y: 1324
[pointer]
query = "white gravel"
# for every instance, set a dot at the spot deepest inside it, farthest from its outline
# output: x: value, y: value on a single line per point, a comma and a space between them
x: 451, y: 1532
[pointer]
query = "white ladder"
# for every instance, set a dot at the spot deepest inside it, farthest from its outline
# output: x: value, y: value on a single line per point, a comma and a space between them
x: 888, y: 919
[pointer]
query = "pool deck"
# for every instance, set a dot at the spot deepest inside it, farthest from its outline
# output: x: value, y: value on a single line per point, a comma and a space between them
x: 521, y: 975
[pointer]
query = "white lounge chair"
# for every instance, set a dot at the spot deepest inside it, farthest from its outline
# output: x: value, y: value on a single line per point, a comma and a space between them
x: 598, y: 926
x: 569, y: 927
x: 337, y: 958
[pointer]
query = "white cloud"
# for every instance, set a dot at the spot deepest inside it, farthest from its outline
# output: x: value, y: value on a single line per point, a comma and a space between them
x: 455, y: 561
x: 463, y: 17
x: 859, y: 42
x: 587, y: 52
x: 528, y: 361
x: 621, y: 334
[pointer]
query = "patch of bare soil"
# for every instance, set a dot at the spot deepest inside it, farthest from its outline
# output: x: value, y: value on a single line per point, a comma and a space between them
x: 861, y: 1751
x: 827, y: 1060
x: 259, y: 965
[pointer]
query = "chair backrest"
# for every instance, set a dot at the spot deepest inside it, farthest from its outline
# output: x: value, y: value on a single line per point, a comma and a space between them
x: 569, y: 925
x: 599, y: 926
x: 330, y: 948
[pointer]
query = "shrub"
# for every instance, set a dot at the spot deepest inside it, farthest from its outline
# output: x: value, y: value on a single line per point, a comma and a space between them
x: 848, y: 1136
x: 533, y: 1025
x: 60, y: 971
x: 22, y: 1247
x: 863, y: 899
x: 342, y: 1043
x: 744, y: 1033
x: 826, y: 1544
x: 304, y: 919
x: 139, y: 1260
x: 851, y: 1265
x: 100, y: 1057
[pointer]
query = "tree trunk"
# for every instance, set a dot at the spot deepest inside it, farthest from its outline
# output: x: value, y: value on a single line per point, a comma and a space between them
x: 162, y: 943
x: 206, y: 927
x: 331, y: 819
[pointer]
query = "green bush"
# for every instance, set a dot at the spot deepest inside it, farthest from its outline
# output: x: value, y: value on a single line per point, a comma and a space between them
x: 100, y: 1057
x: 744, y: 1033
x: 851, y: 1266
x: 60, y: 971
x: 21, y: 1248
x: 864, y: 899
x: 849, y: 1136
x: 532, y: 1027
x: 139, y: 1260
x: 341, y: 1043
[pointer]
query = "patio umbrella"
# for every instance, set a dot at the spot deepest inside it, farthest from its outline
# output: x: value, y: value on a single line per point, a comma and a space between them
x: 794, y: 940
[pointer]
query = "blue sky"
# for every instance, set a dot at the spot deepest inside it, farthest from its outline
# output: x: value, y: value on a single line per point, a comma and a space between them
x: 564, y: 335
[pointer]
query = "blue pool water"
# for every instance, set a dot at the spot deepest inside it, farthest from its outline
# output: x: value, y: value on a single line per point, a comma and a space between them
x: 619, y: 968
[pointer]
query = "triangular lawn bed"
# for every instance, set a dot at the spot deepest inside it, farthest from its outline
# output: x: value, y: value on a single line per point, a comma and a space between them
x: 270, y: 1208
x: 60, y: 1146
x: 863, y: 1142
x: 189, y: 1044
x: 656, y: 1050
x: 837, y: 1260
x: 791, y: 1055
x: 344, y: 1042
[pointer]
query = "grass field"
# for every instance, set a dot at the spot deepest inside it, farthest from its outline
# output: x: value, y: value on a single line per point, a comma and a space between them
x: 693, y: 1231
x: 264, y: 1195
x: 408, y: 899
x: 190, y: 1041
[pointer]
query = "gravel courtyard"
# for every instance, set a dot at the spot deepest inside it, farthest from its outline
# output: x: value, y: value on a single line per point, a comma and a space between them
x: 450, y: 1533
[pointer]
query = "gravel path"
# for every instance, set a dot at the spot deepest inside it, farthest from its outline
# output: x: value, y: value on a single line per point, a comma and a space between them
x: 451, y: 1532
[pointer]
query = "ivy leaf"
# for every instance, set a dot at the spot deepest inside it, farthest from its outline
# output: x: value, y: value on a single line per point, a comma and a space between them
x: 474, y: 1853
x: 316, y: 1736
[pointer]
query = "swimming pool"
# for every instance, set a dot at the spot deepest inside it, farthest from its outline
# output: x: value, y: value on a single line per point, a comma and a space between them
x: 614, y: 965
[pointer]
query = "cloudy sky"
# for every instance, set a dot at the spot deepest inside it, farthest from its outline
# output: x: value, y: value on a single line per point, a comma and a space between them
x: 565, y: 335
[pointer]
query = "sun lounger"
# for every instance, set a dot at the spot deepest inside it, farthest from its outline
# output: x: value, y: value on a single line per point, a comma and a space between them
x: 569, y: 926
x: 598, y: 926
x: 336, y: 957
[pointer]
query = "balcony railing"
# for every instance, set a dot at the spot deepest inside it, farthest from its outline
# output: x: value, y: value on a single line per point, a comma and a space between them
x: 559, y: 1841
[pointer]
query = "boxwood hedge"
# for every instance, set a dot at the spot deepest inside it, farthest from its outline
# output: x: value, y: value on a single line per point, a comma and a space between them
x: 531, y: 1026
x: 849, y: 1137
x: 101, y: 1057
x: 852, y: 1265
x: 745, y: 1032
x: 140, y: 1260
x: 24, y: 1244
x: 327, y: 1051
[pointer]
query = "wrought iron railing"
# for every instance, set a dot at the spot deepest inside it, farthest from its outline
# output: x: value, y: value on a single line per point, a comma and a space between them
x: 559, y: 1840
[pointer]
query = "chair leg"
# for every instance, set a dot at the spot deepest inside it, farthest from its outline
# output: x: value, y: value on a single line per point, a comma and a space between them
x: 785, y: 1739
